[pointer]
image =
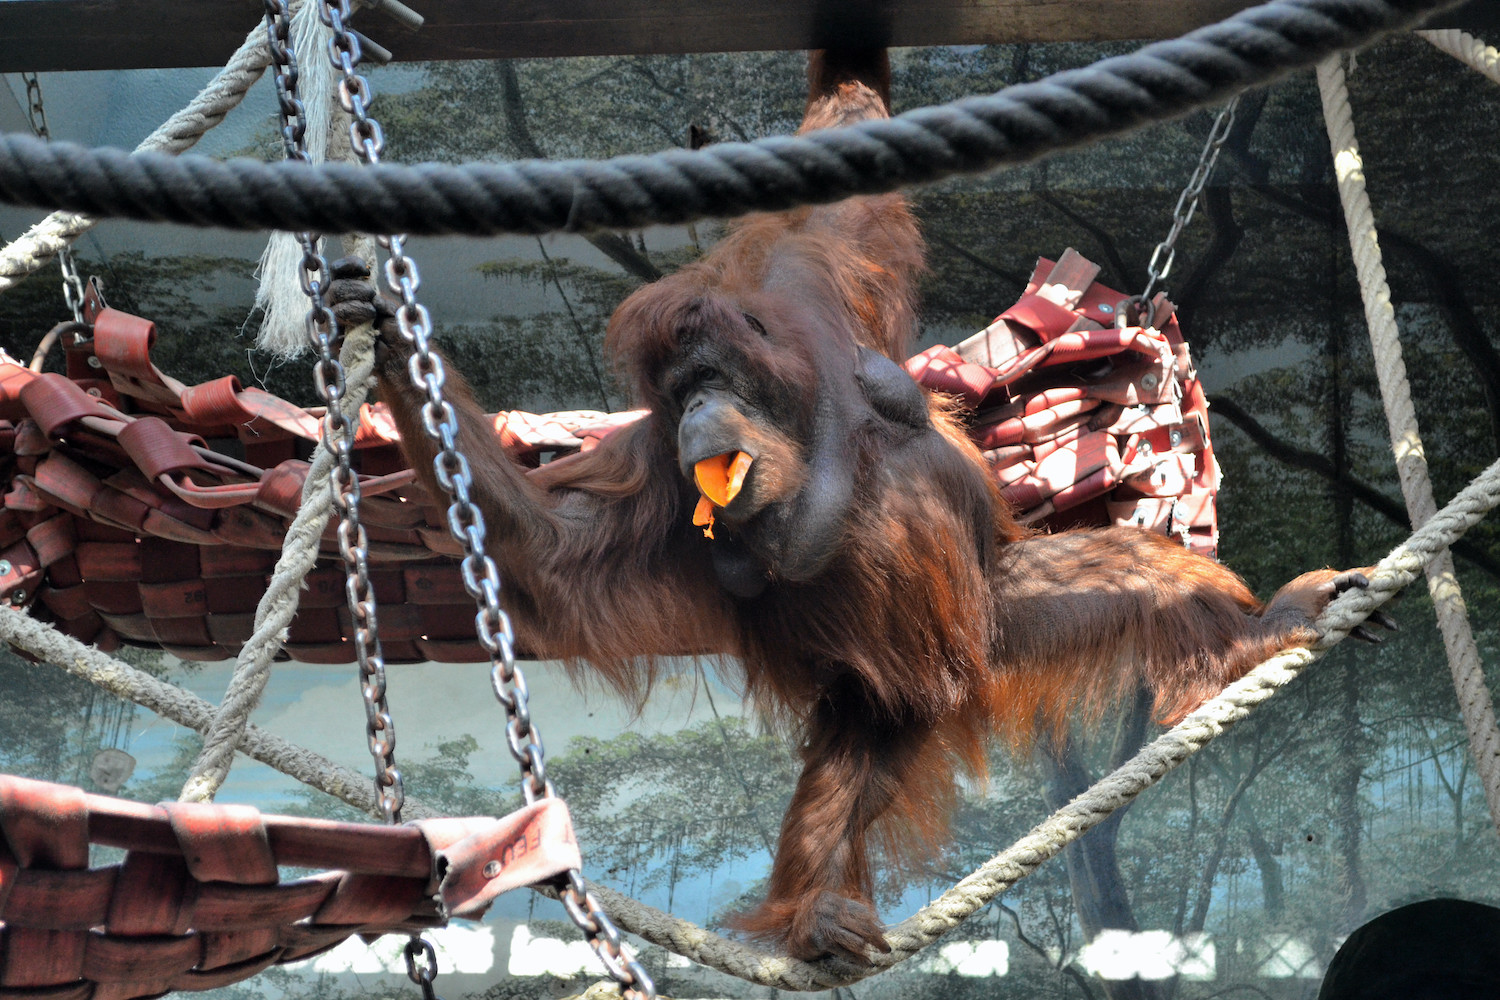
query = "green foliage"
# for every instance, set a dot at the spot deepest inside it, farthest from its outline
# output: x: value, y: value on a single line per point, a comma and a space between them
x: 35, y: 691
x: 658, y: 808
x: 593, y: 107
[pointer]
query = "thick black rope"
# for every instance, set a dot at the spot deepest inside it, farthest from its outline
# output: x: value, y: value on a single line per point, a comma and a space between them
x: 1020, y: 123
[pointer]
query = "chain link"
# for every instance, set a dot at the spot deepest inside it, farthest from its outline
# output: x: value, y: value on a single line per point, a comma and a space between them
x: 425, y: 975
x: 365, y: 135
x: 338, y: 438
x: 1165, y: 254
x: 36, y: 114
x: 278, y: 17
x: 587, y: 912
x: 480, y: 575
x: 72, y: 284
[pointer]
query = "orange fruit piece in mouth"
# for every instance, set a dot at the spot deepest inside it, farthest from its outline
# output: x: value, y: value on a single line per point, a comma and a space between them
x: 720, y: 480
x: 703, y: 516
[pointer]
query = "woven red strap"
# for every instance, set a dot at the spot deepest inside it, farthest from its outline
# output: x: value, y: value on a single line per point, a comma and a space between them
x: 156, y: 449
x: 56, y: 402
x: 1086, y: 422
x: 1083, y: 422
x: 197, y: 901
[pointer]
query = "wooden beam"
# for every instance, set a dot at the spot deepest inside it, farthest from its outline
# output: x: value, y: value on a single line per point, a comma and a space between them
x: 136, y: 34
x: 50, y: 35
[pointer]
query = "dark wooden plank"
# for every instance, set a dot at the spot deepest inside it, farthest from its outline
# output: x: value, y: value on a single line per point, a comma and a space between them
x: 47, y: 35
x: 591, y: 27
x: 131, y: 34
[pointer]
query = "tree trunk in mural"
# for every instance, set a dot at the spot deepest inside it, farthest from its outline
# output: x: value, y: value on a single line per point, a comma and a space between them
x: 1349, y: 768
x: 1100, y: 897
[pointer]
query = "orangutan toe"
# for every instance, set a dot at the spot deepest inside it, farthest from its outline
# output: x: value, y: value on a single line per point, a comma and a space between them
x: 831, y: 924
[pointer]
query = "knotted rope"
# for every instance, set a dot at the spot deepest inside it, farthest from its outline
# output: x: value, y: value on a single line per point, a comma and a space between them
x: 1161, y: 80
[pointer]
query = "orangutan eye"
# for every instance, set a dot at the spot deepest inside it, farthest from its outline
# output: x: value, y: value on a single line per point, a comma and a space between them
x: 690, y: 380
x: 755, y: 324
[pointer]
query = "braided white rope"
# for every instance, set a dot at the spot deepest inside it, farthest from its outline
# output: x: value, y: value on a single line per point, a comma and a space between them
x: 186, y: 709
x: 222, y: 94
x: 299, y: 550
x: 1411, y: 462
x: 1045, y: 841
x: 1467, y: 49
x: 278, y: 606
x: 1048, y: 838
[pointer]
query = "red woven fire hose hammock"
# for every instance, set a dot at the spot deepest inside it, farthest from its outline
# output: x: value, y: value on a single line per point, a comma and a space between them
x: 146, y: 512
x: 198, y: 901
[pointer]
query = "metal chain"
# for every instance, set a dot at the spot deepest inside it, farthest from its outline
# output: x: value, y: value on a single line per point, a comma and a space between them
x: 72, y: 284
x: 480, y: 575
x: 1165, y: 254
x: 365, y: 134
x: 338, y: 438
x: 36, y: 114
x: 424, y: 975
x: 278, y: 16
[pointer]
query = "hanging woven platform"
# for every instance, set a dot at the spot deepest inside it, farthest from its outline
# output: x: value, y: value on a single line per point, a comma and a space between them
x: 197, y: 902
x: 144, y: 511
x: 1086, y: 422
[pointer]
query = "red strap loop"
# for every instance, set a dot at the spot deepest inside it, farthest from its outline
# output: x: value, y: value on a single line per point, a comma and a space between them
x: 55, y: 401
x: 156, y: 448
